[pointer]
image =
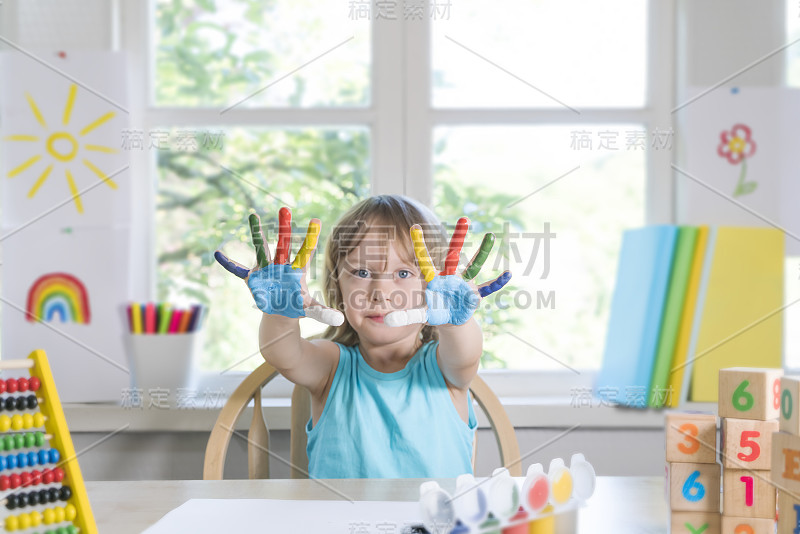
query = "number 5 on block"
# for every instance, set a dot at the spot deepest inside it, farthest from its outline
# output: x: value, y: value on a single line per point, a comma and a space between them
x: 694, y: 487
x: 750, y: 393
x: 691, y: 438
x: 746, y: 443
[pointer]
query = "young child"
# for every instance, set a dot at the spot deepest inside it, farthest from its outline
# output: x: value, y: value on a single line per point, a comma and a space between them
x: 389, y: 382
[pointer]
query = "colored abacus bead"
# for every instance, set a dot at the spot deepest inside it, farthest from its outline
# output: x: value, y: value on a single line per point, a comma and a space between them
x: 9, y: 404
x: 33, y: 402
x: 38, y: 438
x: 36, y: 477
x: 5, y: 423
x: 11, y: 385
x: 24, y: 522
x: 5, y: 483
x: 52, y: 494
x: 58, y: 474
x: 12, y: 523
x: 64, y: 493
x: 11, y: 501
x: 15, y: 480
x: 38, y: 420
x: 32, y: 458
x: 18, y: 441
x: 22, y: 460
x: 54, y: 456
x: 11, y: 461
x: 60, y: 514
x: 27, y: 420
x: 42, y: 496
x: 2, y: 386
x: 25, y: 477
x: 33, y: 383
x: 71, y: 512
x: 33, y: 498
x: 36, y: 518
x: 20, y: 403
x: 22, y: 384
x: 47, y: 476
x: 16, y: 422
x: 49, y: 516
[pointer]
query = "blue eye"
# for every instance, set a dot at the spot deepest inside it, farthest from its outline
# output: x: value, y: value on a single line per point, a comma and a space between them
x: 404, y: 274
x: 362, y: 273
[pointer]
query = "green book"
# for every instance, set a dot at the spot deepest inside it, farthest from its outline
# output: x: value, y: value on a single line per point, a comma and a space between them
x: 673, y: 313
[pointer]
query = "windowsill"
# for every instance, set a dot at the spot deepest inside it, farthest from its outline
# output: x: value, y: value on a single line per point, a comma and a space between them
x: 524, y: 412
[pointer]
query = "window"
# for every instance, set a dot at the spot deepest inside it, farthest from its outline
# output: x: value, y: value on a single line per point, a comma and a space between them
x: 527, y: 118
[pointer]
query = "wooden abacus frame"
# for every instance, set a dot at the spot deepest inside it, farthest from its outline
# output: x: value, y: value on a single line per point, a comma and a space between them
x: 56, y: 426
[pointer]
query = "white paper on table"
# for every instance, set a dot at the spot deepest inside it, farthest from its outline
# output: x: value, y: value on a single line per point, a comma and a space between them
x: 88, y: 360
x: 212, y: 516
x: 72, y: 134
x: 707, y: 197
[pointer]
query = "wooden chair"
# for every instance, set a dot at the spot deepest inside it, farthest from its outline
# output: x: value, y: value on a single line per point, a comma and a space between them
x: 258, y: 435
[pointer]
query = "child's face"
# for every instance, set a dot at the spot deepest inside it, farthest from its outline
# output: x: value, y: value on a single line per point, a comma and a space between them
x: 375, y: 279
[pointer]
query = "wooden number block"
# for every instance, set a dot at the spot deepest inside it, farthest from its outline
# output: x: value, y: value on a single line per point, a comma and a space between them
x: 747, y: 525
x: 746, y: 443
x: 786, y: 461
x: 788, y: 512
x: 694, y: 523
x: 749, y: 393
x: 790, y: 411
x: 694, y: 487
x: 691, y: 438
x: 748, y: 494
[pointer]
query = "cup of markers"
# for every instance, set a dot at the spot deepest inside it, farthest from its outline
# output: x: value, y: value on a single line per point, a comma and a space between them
x: 163, y: 341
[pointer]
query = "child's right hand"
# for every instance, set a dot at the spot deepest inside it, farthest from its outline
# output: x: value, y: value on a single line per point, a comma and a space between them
x: 279, y: 288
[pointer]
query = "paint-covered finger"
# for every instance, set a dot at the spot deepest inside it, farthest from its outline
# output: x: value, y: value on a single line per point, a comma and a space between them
x: 284, y: 236
x: 421, y: 252
x: 406, y: 317
x: 456, y: 244
x: 325, y: 315
x: 231, y: 266
x: 308, y: 246
x: 262, y: 252
x: 484, y: 290
x: 477, y: 261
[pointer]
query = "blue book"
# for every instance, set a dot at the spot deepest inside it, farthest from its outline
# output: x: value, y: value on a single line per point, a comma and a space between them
x: 637, y: 311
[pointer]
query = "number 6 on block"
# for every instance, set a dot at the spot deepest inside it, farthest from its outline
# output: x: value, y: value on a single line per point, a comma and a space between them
x: 749, y: 393
x: 694, y: 487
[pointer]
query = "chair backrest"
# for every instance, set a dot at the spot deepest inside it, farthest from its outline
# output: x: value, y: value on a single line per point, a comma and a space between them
x: 258, y: 435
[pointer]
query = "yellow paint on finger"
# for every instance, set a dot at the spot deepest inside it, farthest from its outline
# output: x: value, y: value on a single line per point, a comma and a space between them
x: 424, y: 260
x: 309, y: 244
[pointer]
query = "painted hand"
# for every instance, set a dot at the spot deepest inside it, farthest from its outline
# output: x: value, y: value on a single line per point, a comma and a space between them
x: 450, y: 298
x: 279, y: 287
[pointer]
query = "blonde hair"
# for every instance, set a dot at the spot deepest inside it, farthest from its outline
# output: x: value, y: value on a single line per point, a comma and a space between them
x: 396, y: 214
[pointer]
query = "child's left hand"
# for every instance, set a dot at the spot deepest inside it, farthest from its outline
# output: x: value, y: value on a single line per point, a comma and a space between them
x: 450, y: 298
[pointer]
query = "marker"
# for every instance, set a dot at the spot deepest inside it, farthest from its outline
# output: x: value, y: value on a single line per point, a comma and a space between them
x: 165, y: 315
x: 175, y: 322
x: 136, y: 317
x: 150, y: 318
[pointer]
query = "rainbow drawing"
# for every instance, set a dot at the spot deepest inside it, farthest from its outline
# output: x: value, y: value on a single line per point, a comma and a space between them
x: 58, y: 295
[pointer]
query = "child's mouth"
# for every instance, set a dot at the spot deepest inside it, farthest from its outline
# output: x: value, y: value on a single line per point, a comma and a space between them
x: 376, y: 318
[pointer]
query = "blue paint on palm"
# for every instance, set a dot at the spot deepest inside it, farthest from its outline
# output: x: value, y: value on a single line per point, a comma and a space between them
x: 276, y: 289
x: 450, y: 300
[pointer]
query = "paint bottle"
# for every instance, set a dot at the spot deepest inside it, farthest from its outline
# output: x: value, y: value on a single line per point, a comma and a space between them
x: 438, y: 514
x: 503, y: 495
x: 469, y: 501
x: 561, y: 485
x: 583, y: 476
x: 535, y: 490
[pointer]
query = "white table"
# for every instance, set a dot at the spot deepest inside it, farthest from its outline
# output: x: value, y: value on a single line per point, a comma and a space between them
x: 620, y: 504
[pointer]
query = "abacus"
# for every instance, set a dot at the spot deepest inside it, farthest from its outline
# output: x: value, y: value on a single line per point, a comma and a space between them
x: 38, y: 465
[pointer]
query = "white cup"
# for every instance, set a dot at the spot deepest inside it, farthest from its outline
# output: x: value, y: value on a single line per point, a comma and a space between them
x: 163, y: 361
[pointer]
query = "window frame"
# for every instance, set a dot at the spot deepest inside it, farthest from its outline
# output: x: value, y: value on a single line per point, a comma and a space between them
x: 401, y: 122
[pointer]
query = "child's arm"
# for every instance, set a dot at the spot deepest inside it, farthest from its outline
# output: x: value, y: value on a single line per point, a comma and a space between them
x: 302, y: 362
x: 279, y: 290
x: 459, y: 354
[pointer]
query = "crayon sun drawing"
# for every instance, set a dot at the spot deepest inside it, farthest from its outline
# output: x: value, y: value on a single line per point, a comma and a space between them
x: 62, y: 144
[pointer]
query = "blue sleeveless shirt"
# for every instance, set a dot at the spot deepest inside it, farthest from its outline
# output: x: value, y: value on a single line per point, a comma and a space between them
x: 390, y: 425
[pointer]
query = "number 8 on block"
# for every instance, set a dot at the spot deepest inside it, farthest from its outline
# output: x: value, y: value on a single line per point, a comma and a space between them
x: 750, y: 393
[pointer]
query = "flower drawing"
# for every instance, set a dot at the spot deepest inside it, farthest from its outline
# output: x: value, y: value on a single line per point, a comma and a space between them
x: 736, y: 146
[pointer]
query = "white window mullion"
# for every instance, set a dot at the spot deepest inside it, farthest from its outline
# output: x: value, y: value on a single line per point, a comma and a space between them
x: 134, y: 27
x: 418, y: 125
x: 388, y: 158
x: 660, y: 192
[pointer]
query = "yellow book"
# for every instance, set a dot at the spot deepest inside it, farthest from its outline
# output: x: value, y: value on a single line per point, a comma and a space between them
x: 742, y: 318
x: 675, y: 382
